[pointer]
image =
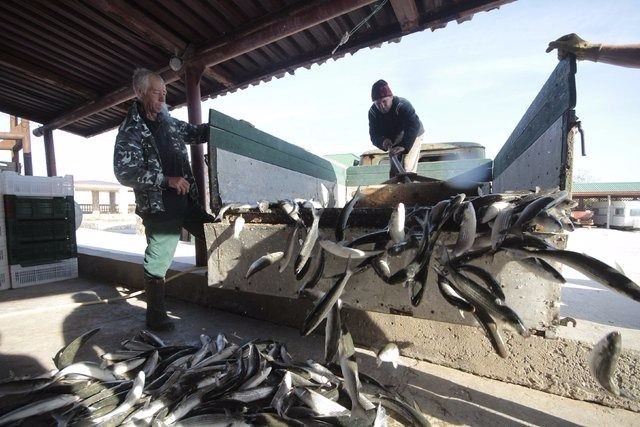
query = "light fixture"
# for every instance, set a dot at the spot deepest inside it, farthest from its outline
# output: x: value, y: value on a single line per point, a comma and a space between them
x: 176, y: 63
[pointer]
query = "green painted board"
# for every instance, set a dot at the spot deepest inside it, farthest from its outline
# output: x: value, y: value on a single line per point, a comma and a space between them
x: 557, y: 96
x: 240, y: 137
x: 475, y: 169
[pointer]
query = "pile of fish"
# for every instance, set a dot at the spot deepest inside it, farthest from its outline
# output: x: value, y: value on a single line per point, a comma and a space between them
x: 513, y: 223
x: 214, y: 383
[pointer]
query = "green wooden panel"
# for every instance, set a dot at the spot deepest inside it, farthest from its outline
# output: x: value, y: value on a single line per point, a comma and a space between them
x: 557, y: 96
x: 242, y: 138
x: 476, y: 169
x: 268, y: 154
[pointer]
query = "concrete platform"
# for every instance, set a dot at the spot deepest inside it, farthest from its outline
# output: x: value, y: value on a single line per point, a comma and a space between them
x: 36, y: 321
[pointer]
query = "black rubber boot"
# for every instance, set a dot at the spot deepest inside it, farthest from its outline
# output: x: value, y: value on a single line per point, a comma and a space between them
x: 157, y: 319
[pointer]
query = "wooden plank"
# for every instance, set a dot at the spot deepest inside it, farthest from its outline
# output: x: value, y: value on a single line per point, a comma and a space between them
x: 407, y: 14
x: 557, y: 96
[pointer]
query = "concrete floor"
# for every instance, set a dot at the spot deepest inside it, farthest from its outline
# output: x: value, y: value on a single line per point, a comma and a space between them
x: 35, y: 322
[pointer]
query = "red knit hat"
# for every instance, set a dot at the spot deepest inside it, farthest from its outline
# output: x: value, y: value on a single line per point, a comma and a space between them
x: 380, y: 89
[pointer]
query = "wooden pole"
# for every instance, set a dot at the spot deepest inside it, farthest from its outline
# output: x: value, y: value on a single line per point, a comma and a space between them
x: 192, y: 82
x: 50, y: 153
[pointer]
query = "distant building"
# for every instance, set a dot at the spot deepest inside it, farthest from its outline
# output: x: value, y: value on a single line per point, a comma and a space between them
x: 103, y: 197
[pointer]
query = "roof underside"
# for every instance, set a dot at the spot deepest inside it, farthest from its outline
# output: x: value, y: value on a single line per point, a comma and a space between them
x: 59, y: 57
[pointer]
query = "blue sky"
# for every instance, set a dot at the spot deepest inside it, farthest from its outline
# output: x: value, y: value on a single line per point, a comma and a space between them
x: 468, y: 82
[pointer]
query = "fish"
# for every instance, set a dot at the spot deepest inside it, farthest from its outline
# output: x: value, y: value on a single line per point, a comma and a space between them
x: 333, y: 326
x: 325, y: 196
x: 228, y: 206
x: 323, y: 306
x: 349, y: 368
x: 603, y: 361
x: 451, y: 296
x: 291, y: 209
x: 492, y: 211
x: 467, y: 232
x: 316, y: 276
x: 531, y: 211
x: 346, y: 252
x: 491, y: 330
x: 389, y: 353
x: 309, y: 241
x: 41, y: 406
x: 129, y: 401
x: 263, y: 262
x: 24, y: 386
x: 87, y: 369
x: 501, y: 227
x: 345, y: 212
x: 411, y: 416
x: 396, y: 224
x: 152, y: 338
x: 590, y: 267
x: 319, y: 404
x: 485, y: 277
x: 66, y: 354
x: 238, y: 225
x: 284, y: 262
x: 478, y: 296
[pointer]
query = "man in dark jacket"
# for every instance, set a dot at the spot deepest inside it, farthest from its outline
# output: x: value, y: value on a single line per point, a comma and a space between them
x: 395, y: 127
x: 151, y: 157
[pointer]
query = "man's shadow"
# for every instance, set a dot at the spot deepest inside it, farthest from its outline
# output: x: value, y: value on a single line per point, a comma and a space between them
x: 17, y: 365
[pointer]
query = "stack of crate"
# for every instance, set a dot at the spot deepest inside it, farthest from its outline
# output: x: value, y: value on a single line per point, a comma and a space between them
x: 37, y: 220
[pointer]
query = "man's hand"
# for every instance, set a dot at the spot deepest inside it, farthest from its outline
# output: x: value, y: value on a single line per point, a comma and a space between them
x: 178, y: 183
x: 386, y: 144
x: 572, y: 43
x: 394, y: 151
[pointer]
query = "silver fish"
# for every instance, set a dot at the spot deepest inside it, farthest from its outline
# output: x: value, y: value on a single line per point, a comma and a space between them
x: 345, y: 212
x: 592, y: 268
x: 492, y: 211
x: 319, y: 404
x: 263, y: 262
x: 322, y: 307
x: 129, y: 401
x: 238, y: 225
x: 467, y: 232
x: 604, y: 360
x: 333, y: 326
x: 23, y: 386
x: 284, y: 262
x: 349, y: 368
x: 309, y: 241
x: 87, y: 369
x: 39, y: 407
x: 389, y: 353
x: 65, y: 355
x: 396, y: 224
x: 345, y: 252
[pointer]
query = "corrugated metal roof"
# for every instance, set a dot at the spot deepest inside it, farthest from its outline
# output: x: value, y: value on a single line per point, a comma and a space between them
x: 61, y: 57
x: 605, y: 187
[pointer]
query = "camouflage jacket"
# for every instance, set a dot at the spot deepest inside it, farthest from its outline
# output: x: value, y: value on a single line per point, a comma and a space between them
x: 136, y: 160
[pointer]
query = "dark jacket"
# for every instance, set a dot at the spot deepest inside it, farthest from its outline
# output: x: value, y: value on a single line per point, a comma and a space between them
x: 136, y: 161
x: 401, y: 117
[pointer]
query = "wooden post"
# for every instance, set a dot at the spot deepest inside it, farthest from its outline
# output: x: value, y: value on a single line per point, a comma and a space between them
x: 50, y: 153
x: 192, y: 82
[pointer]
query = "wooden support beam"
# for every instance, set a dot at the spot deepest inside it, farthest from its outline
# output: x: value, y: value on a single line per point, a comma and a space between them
x: 221, y: 77
x: 406, y: 12
x: 50, y: 153
x: 283, y: 24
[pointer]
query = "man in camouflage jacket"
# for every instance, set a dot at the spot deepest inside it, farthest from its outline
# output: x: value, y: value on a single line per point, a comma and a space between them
x: 151, y: 157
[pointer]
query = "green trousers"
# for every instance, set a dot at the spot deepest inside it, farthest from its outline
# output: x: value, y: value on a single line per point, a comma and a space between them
x: 163, y: 235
